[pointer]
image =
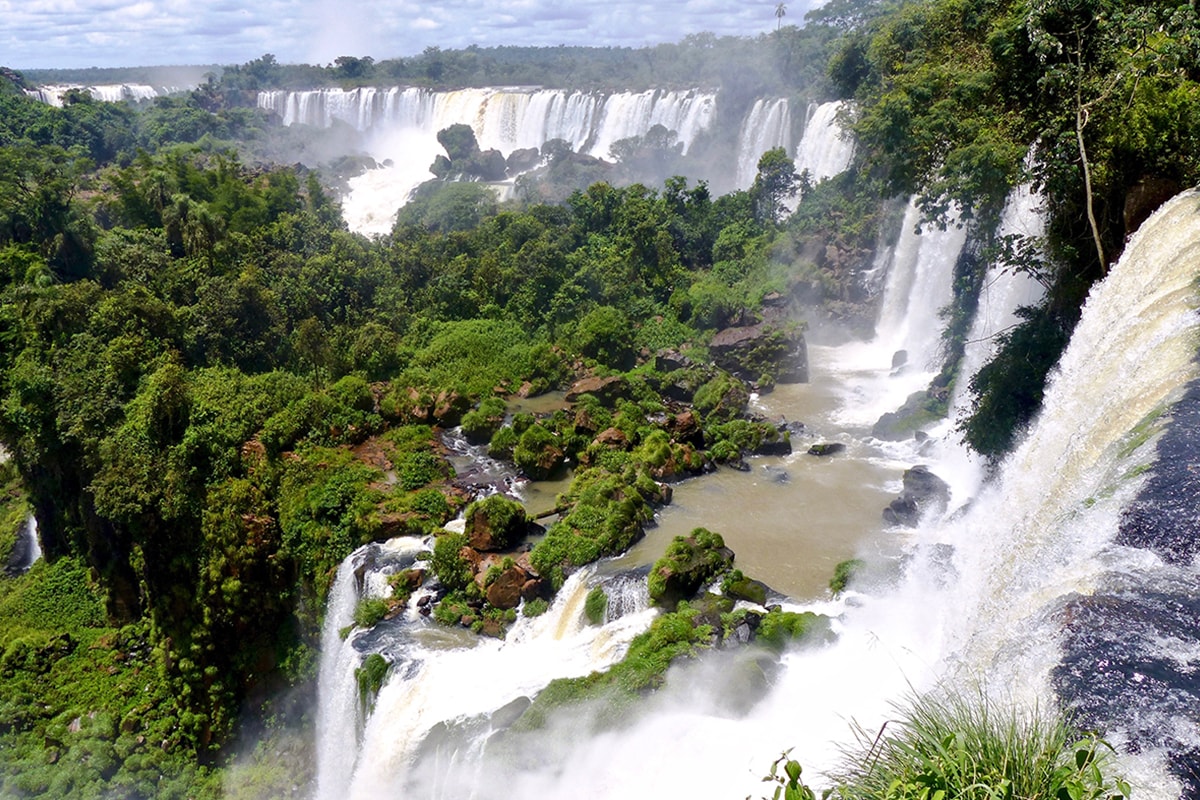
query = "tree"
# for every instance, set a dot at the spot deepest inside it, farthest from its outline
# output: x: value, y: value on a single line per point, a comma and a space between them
x: 352, y: 68
x: 776, y: 183
x: 780, y: 11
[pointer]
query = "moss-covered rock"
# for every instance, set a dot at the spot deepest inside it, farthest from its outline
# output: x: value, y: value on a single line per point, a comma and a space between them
x: 777, y: 629
x: 751, y: 351
x: 480, y: 425
x: 722, y: 399
x: 495, y: 523
x: 739, y: 587
x: 689, y: 563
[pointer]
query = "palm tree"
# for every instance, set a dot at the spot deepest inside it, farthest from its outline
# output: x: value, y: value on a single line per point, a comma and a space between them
x: 780, y: 10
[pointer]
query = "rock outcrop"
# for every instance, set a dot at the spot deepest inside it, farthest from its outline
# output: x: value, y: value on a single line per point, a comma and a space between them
x: 922, y: 491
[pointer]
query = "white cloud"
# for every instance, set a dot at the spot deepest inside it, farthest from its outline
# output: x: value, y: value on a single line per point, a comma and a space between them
x: 70, y: 33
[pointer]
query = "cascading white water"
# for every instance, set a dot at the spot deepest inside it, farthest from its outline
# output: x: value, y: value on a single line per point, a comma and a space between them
x: 767, y: 126
x: 440, y: 678
x: 337, y: 693
x: 981, y: 597
x: 34, y: 541
x: 825, y: 149
x: 919, y: 284
x: 114, y: 93
x: 402, y: 125
x: 339, y: 713
x: 1004, y: 291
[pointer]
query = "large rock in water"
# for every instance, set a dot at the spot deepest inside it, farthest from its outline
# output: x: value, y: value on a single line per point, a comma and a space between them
x: 922, y: 491
x: 689, y: 563
x: 752, y: 351
x: 495, y: 523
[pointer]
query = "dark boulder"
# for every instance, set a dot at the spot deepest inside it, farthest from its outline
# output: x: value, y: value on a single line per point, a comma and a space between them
x: 523, y: 160
x: 507, y: 589
x: 922, y: 491
x: 826, y: 448
x: 671, y: 360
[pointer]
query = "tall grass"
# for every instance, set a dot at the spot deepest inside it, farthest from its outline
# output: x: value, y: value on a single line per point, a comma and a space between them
x: 949, y: 746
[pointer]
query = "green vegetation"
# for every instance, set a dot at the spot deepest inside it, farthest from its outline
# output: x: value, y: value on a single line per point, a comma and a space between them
x: 596, y: 605
x: 843, y: 573
x: 689, y: 563
x: 966, y: 746
x: 370, y: 677
x: 212, y: 392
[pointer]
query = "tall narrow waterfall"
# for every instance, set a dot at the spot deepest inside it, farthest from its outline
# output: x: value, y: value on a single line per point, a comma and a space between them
x: 825, y: 149
x: 1005, y: 289
x: 919, y: 271
x: 767, y: 126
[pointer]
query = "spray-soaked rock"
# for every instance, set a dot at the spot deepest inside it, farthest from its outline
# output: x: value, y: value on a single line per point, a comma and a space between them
x: 922, y: 491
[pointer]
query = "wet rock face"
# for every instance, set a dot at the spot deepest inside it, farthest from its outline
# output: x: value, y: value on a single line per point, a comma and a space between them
x: 1119, y: 672
x: 1164, y: 518
x: 1126, y: 665
x: 922, y: 490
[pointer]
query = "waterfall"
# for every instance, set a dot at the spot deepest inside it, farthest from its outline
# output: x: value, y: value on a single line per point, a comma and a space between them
x: 1004, y: 291
x: 401, y: 126
x: 444, y: 678
x: 339, y: 713
x: 767, y: 126
x: 1041, y: 585
x: 27, y: 549
x: 825, y: 149
x: 337, y: 690
x: 503, y: 118
x: 109, y: 93
x: 919, y: 284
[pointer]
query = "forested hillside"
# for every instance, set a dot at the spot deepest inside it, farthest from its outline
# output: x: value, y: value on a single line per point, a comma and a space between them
x: 211, y: 391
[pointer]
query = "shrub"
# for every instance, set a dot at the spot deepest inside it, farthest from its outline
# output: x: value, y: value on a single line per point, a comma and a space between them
x: 777, y: 628
x: 370, y: 611
x: 448, y: 565
x: 481, y: 424
x: 965, y: 747
x: 538, y: 452
x: 843, y: 573
x: 595, y: 606
x: 503, y: 442
x: 370, y: 677
x: 606, y: 335
x: 535, y: 607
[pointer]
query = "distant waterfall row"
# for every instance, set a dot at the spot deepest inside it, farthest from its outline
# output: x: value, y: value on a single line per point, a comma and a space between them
x: 505, y: 119
x: 113, y: 93
x: 510, y: 119
x: 401, y: 123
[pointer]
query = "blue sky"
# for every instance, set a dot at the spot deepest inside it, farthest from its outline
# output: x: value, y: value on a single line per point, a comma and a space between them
x: 112, y: 33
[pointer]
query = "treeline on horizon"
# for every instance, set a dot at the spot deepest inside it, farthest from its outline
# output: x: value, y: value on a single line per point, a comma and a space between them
x: 197, y: 358
x: 779, y: 63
